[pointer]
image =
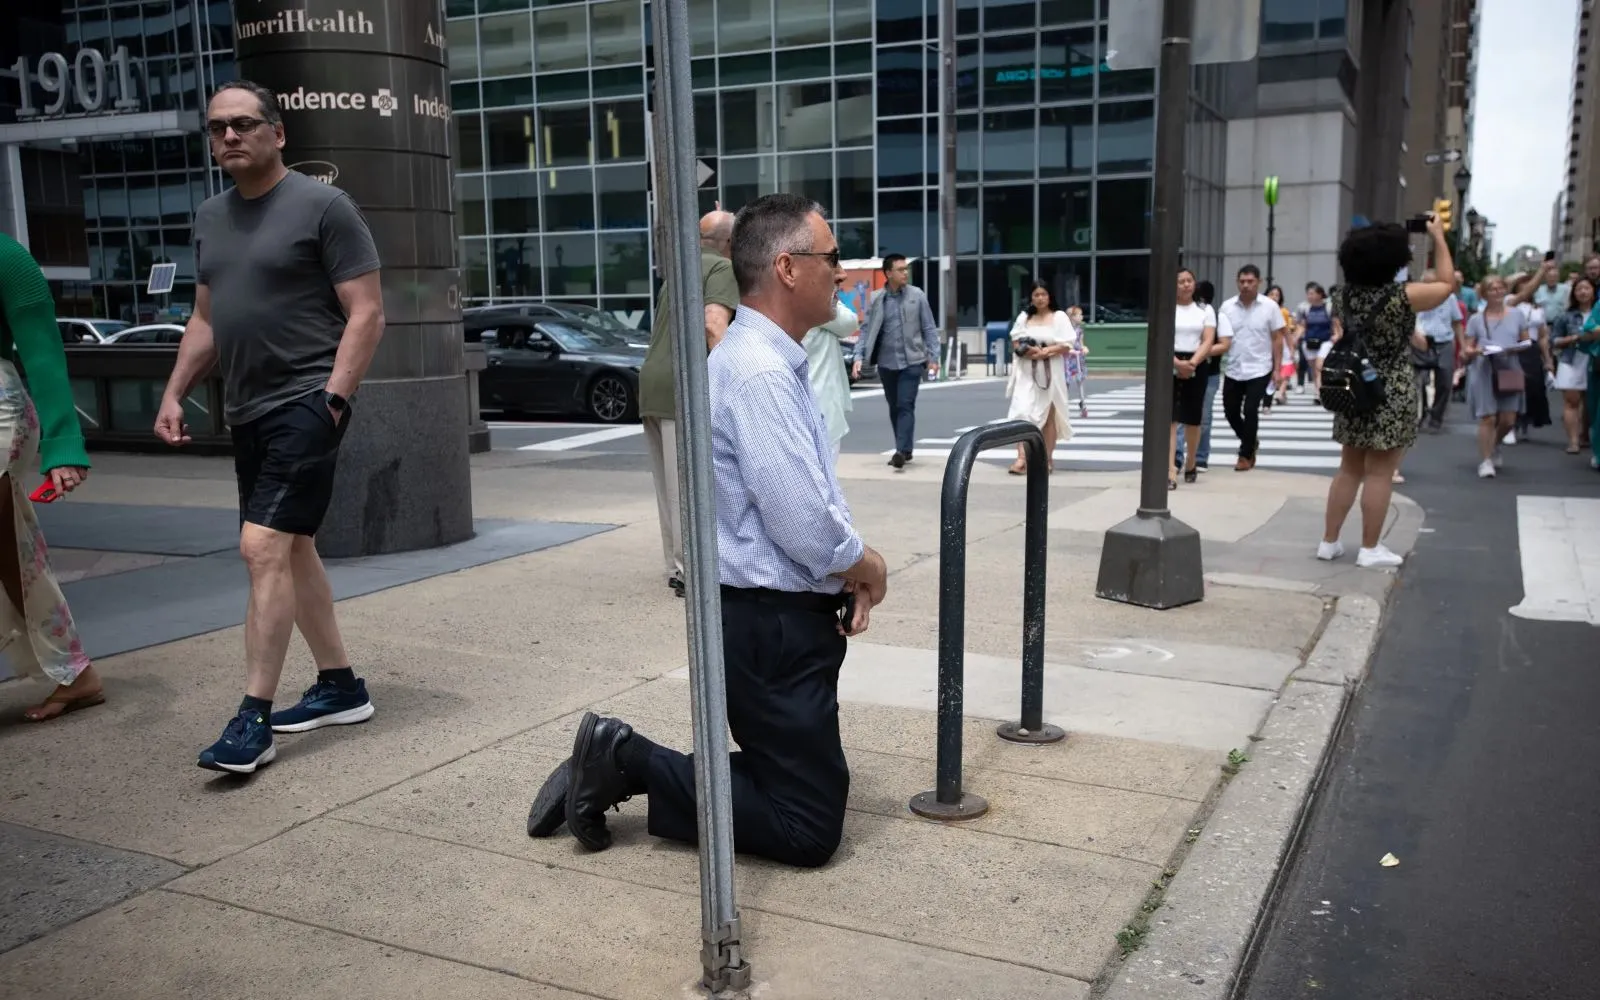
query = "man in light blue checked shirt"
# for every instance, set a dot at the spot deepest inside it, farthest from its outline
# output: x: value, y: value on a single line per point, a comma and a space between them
x: 1443, y: 325
x: 790, y: 561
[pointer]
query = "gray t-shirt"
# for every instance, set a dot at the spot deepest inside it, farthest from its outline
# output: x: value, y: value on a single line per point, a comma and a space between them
x: 271, y: 264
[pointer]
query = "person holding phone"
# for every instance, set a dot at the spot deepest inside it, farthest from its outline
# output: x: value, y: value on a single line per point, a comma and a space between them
x: 42, y: 425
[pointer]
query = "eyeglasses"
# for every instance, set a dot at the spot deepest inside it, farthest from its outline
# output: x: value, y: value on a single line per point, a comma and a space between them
x: 218, y: 127
x: 831, y: 256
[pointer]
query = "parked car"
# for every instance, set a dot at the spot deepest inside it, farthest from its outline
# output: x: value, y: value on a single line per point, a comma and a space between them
x: 75, y: 330
x: 570, y: 312
x: 551, y: 366
x: 152, y: 333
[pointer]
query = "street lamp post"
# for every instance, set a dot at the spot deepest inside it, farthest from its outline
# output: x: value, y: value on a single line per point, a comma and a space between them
x: 1463, y: 180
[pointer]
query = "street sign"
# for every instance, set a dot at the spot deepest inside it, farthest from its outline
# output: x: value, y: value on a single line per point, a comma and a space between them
x: 1439, y: 156
x: 161, y: 279
x: 1269, y: 191
x: 1225, y: 31
x: 704, y: 171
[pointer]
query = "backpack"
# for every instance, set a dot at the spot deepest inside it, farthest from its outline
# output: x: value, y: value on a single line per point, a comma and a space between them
x: 1351, y: 386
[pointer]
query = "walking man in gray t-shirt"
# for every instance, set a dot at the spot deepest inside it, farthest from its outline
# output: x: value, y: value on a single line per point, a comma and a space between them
x: 287, y: 301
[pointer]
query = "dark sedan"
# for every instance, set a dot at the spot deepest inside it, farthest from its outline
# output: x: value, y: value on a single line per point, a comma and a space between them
x: 547, y: 366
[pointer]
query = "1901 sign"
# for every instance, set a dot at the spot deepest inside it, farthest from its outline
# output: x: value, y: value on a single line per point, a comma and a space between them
x: 86, y: 81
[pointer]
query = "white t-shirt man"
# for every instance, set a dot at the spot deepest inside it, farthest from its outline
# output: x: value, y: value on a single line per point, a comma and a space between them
x: 1253, y: 327
x: 1191, y: 325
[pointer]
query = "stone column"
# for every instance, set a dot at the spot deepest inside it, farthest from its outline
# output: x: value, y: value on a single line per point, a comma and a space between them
x: 365, y: 93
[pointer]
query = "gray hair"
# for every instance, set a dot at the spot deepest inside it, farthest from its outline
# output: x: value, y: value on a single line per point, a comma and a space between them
x: 270, y: 110
x: 766, y: 227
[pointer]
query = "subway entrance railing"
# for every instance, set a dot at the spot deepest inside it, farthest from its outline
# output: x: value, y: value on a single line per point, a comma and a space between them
x: 118, y: 389
x: 947, y: 800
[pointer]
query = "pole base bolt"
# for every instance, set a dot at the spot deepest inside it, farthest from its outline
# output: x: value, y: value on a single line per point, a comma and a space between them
x: 928, y: 806
x: 1014, y: 732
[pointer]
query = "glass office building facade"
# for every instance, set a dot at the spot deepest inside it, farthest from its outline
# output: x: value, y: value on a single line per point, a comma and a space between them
x: 833, y: 99
x: 139, y: 191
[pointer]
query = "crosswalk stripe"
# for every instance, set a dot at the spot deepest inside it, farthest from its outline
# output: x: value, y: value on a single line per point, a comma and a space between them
x: 1294, y: 435
x: 1559, y: 539
x: 1066, y: 453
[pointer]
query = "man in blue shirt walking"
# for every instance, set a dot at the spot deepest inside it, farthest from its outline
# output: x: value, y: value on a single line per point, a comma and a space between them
x: 788, y: 558
x: 900, y: 337
x: 1443, y: 326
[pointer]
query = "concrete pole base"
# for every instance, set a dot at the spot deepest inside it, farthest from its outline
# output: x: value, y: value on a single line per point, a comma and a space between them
x: 1152, y: 560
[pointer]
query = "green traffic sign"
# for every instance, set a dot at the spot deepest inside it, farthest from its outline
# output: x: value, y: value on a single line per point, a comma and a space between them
x: 1269, y: 190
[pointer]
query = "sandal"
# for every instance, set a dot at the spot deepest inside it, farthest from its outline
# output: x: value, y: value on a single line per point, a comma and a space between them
x: 1172, y: 484
x: 1191, y: 475
x: 42, y: 711
x: 1018, y: 469
x: 1572, y: 449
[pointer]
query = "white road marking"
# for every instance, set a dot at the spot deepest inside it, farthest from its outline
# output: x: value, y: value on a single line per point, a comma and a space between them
x: 580, y: 440
x: 1559, y: 538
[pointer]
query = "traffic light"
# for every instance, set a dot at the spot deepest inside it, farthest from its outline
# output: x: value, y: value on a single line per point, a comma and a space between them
x: 1441, y: 208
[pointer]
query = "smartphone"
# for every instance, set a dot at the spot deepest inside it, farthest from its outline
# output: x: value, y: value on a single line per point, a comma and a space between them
x: 1549, y: 255
x: 1417, y: 224
x: 847, y: 614
x: 46, y: 493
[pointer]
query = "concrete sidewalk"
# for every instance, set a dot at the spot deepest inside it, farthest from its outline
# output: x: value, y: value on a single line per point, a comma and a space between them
x: 391, y: 858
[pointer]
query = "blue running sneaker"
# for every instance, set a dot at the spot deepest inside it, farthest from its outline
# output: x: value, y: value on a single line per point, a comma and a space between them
x: 325, y: 704
x: 246, y: 744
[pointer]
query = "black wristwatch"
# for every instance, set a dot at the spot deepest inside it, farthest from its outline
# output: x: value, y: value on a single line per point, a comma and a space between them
x: 336, y: 402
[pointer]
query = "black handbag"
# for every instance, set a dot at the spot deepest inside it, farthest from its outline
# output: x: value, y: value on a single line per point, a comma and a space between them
x: 1351, y: 385
x: 1425, y: 357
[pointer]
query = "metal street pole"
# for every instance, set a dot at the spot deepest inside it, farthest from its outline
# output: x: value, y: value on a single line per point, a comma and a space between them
x: 1153, y: 559
x: 721, y: 954
x: 947, y: 175
x: 1272, y: 234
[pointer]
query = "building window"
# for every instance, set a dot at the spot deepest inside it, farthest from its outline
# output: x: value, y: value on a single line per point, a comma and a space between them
x: 1302, y: 20
x: 1122, y: 215
x: 1126, y: 140
x: 616, y: 32
x: 1008, y: 215
x: 560, y: 38
x: 507, y: 42
x: 1121, y: 289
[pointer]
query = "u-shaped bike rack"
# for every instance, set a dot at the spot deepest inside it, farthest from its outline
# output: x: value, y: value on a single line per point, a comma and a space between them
x: 947, y: 801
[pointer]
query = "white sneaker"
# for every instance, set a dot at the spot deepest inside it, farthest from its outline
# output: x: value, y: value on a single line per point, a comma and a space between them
x: 1510, y: 438
x: 1329, y: 551
x: 1376, y: 557
x: 1486, y: 469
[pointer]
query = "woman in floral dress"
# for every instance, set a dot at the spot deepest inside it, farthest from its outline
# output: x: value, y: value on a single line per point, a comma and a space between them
x: 37, y: 630
x: 1382, y: 312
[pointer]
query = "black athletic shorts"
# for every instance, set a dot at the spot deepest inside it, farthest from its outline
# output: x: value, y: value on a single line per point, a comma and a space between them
x: 1189, y: 396
x: 285, y: 460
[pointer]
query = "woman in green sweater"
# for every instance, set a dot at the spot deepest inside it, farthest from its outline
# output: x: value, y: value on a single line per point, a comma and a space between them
x: 35, y: 625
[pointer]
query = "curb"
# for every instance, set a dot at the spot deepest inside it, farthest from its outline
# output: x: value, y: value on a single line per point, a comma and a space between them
x: 1198, y: 940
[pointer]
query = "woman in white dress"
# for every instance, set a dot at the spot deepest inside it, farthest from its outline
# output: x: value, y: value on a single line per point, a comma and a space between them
x: 830, y: 383
x: 1572, y: 365
x: 1041, y: 338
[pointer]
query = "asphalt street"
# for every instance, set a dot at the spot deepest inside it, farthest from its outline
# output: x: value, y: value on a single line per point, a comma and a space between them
x: 1295, y: 437
x: 1470, y: 755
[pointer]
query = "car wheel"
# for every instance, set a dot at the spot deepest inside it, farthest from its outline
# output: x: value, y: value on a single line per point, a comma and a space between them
x: 610, y: 398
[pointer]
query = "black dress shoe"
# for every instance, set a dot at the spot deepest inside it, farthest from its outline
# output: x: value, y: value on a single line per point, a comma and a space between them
x: 550, y: 805
x: 597, y: 782
x: 898, y: 460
